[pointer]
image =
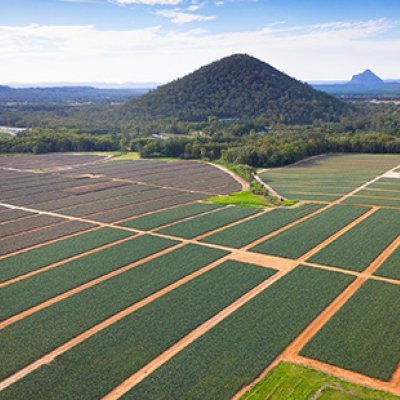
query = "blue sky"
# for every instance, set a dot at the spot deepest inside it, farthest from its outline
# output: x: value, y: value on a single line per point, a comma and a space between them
x: 159, y: 40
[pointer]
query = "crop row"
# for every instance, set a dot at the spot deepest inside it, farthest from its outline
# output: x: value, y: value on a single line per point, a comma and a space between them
x: 299, y: 239
x: 248, y: 231
x: 380, y: 193
x: 74, y: 200
x: 163, y: 217
x: 38, y: 288
x: 104, y: 360
x: 364, y: 335
x: 391, y: 266
x: 313, y: 189
x: 151, y: 205
x: 234, y: 352
x: 9, y: 214
x: 107, y: 204
x: 205, y: 223
x: 359, y: 246
x: 373, y: 201
x: 45, y: 186
x: 21, y: 342
x: 26, y: 224
x: 310, y: 196
x: 28, y: 239
x: 34, y: 259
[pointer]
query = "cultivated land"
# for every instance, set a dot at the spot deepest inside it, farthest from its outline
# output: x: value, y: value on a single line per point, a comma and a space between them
x: 120, y: 280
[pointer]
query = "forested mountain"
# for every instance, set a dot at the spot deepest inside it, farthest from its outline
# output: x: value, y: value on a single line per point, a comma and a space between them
x: 238, y: 86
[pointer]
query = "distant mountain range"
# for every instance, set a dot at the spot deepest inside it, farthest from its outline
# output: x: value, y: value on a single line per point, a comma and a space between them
x: 236, y: 87
x: 366, y: 83
x: 67, y: 94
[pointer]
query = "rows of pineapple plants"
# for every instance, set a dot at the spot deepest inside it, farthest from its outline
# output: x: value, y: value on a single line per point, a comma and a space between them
x: 362, y: 244
x: 41, y: 287
x: 363, y: 336
x: 391, y: 266
x: 148, y: 206
x: 205, y: 223
x: 31, y: 260
x: 248, y: 231
x: 97, y: 365
x: 301, y: 238
x: 33, y: 238
x: 373, y: 201
x: 163, y: 217
x: 234, y: 352
x: 38, y: 334
x: 26, y: 224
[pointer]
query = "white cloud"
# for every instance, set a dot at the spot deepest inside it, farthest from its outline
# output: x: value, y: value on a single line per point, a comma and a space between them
x: 178, y: 17
x: 84, y: 53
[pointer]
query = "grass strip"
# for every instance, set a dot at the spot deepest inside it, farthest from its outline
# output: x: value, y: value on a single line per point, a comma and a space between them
x: 240, y: 199
x: 248, y: 231
x: 359, y: 246
x: 31, y: 260
x: 363, y: 336
x: 154, y: 220
x: 296, y: 382
x: 238, y: 349
x: 38, y: 288
x: 205, y: 223
x: 96, y: 366
x: 299, y: 239
x: 34, y: 336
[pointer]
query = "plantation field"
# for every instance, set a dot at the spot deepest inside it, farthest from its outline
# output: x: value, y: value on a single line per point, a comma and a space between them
x: 248, y: 231
x: 358, y: 247
x: 231, y: 355
x: 156, y: 219
x: 204, y: 223
x: 391, y: 266
x: 36, y: 289
x: 364, y: 335
x: 129, y: 344
x: 146, y: 279
x: 296, y: 241
x: 307, y: 180
x: 22, y: 343
x: 34, y: 259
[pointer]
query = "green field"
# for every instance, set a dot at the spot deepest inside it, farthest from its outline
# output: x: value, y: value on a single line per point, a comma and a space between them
x: 36, y: 289
x: 391, y: 266
x: 234, y: 352
x: 298, y: 240
x: 241, y: 199
x: 43, y: 331
x: 205, y: 223
x: 96, y: 366
x: 359, y: 246
x: 248, y: 231
x: 154, y: 220
x: 363, y: 336
x: 34, y: 259
x: 295, y: 382
x: 308, y: 179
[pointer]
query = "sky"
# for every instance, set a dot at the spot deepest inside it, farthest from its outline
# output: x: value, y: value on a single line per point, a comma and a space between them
x: 161, y: 40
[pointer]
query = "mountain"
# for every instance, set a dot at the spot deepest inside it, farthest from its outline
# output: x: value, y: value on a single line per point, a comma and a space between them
x: 366, y: 78
x: 238, y: 86
x: 364, y: 85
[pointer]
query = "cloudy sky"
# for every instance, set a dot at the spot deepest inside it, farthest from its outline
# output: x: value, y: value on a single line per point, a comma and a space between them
x: 160, y: 40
